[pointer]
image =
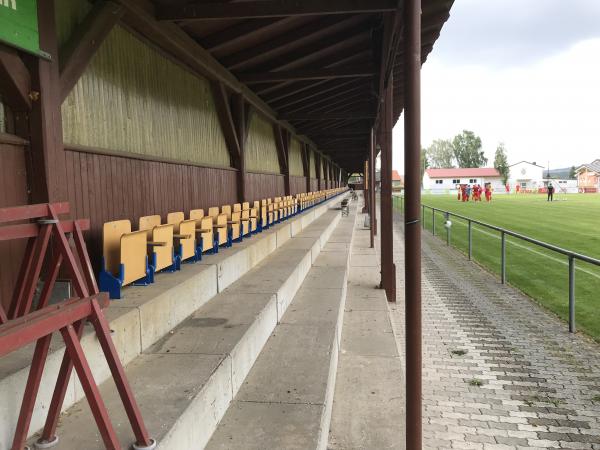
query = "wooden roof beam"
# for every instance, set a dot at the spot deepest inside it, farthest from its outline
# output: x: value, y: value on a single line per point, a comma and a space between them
x: 84, y: 42
x: 234, y: 35
x: 343, y: 132
x: 303, y: 93
x: 329, y: 100
x: 277, y: 91
x: 274, y: 8
x: 327, y: 49
x: 288, y: 41
x: 228, y: 127
x: 309, y: 74
x: 337, y: 116
x: 16, y: 80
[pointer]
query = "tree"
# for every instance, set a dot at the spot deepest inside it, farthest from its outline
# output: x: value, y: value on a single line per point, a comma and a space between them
x: 424, y: 162
x: 572, y: 173
x: 467, y: 150
x: 441, y: 154
x: 501, y: 162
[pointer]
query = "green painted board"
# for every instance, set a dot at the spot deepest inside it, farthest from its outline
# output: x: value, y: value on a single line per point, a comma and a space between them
x: 19, y: 25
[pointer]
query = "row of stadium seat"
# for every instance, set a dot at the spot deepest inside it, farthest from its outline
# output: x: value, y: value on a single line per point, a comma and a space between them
x: 134, y: 256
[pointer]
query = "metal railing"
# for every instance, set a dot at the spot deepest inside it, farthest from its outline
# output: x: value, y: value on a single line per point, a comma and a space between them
x: 571, y: 256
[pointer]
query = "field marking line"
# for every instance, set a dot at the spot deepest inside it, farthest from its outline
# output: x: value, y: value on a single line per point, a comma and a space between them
x: 516, y: 244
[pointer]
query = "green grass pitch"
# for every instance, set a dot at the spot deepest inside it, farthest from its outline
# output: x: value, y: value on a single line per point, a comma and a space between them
x: 571, y: 222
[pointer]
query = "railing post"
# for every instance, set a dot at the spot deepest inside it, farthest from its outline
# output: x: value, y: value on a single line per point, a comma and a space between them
x: 433, y: 221
x: 470, y: 240
x: 503, y: 263
x: 571, y: 294
x: 447, y: 229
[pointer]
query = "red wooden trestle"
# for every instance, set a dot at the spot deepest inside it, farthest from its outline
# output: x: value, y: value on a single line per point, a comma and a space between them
x: 22, y: 326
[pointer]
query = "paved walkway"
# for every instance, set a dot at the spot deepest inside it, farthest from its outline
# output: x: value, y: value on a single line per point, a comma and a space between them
x: 368, y: 403
x: 499, y: 371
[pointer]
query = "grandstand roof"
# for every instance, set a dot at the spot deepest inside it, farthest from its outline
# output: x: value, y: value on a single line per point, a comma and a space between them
x: 318, y: 67
x: 463, y: 172
x: 594, y: 166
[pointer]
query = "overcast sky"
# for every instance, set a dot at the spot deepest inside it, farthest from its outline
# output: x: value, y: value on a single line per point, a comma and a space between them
x: 522, y: 72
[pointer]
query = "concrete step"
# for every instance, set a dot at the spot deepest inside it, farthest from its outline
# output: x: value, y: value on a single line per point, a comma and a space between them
x: 368, y: 404
x: 185, y: 380
x: 285, y: 402
x: 144, y: 315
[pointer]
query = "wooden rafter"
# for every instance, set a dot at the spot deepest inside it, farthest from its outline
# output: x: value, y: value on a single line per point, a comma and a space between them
x: 311, y: 90
x: 359, y: 91
x: 229, y: 37
x: 15, y: 84
x: 358, y: 115
x: 288, y: 41
x: 228, y: 128
x: 275, y: 8
x: 85, y: 41
x: 309, y: 74
x: 325, y: 50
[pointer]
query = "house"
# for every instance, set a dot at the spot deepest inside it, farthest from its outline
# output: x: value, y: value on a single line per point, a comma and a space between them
x: 441, y: 181
x: 526, y: 176
x: 397, y: 181
x: 588, y: 177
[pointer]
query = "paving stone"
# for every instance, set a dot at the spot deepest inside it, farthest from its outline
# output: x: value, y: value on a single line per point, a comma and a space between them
x: 537, y: 380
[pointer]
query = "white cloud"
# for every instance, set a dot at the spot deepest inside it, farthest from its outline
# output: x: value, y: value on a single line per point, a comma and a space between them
x: 544, y: 110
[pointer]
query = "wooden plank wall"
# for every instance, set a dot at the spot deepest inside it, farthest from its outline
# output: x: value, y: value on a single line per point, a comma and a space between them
x: 314, y: 185
x: 264, y: 185
x: 297, y: 185
x: 13, y: 192
x: 104, y: 188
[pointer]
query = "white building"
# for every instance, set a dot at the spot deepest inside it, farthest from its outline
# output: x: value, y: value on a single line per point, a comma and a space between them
x: 444, y: 181
x: 526, y: 175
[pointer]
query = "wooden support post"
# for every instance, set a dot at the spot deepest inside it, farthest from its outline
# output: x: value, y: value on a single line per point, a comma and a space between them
x: 373, y: 184
x: 15, y: 81
x: 388, y: 269
x: 318, y: 169
x: 234, y: 125
x: 240, y: 112
x: 282, y: 142
x: 47, y: 172
x: 412, y: 216
x: 306, y: 165
x: 366, y: 181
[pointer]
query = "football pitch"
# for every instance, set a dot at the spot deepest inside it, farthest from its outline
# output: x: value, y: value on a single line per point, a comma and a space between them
x: 571, y: 222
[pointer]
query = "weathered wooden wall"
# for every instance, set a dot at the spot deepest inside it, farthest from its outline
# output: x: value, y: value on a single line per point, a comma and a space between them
x: 13, y: 192
x: 297, y: 185
x: 133, y: 99
x: 264, y: 185
x: 261, y: 152
x: 106, y: 187
x: 295, y: 162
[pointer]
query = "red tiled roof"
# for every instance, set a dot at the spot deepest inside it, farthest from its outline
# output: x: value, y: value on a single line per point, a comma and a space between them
x: 467, y: 172
x: 396, y: 176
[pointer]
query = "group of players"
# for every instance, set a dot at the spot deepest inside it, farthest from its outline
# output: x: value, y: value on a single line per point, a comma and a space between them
x: 466, y: 192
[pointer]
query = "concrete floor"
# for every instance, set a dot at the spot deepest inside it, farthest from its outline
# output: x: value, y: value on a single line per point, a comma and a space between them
x: 368, y: 401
